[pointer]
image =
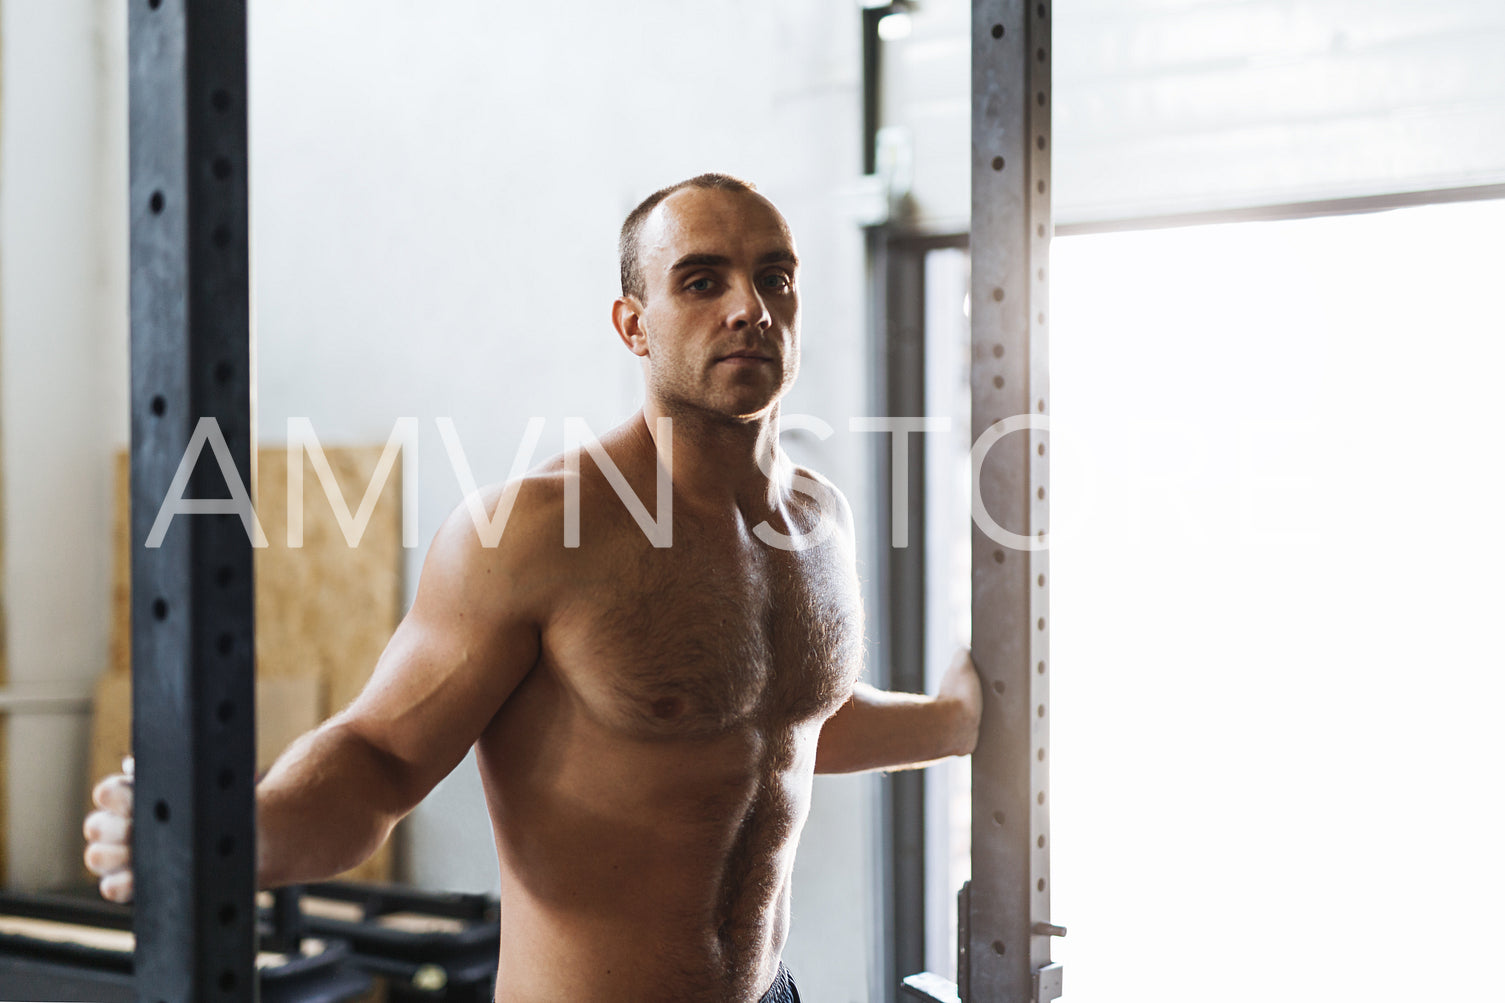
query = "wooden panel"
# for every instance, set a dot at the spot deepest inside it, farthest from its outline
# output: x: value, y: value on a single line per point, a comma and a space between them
x: 324, y: 611
x: 327, y: 609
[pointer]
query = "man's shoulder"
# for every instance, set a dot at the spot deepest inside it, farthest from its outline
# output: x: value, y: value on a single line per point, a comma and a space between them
x: 827, y: 486
x: 821, y: 491
x: 497, y: 520
x: 531, y: 517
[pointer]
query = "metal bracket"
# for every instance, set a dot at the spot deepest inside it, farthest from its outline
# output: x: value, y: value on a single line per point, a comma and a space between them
x: 963, y: 940
x: 927, y: 987
x: 1047, y: 983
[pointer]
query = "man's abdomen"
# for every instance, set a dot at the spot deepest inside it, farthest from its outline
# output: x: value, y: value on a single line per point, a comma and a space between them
x: 630, y: 870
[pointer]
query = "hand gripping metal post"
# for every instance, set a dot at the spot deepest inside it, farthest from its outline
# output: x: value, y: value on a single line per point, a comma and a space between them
x: 191, y: 596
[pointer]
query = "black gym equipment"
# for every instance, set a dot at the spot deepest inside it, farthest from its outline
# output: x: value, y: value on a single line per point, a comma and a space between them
x: 64, y: 947
x: 322, y: 943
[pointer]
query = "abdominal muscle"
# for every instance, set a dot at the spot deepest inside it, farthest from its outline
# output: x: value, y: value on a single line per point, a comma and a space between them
x: 640, y: 869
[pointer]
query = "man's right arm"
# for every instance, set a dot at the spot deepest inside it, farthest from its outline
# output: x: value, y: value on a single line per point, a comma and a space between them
x: 467, y: 642
x: 334, y: 795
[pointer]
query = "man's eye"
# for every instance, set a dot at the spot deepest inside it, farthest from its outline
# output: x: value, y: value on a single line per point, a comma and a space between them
x: 701, y: 285
x: 776, y: 280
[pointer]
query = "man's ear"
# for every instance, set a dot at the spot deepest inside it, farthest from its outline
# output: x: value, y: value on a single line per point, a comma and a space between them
x: 627, y: 318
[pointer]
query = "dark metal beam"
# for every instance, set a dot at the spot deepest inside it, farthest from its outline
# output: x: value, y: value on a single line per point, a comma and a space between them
x: 898, y: 257
x: 872, y: 50
x: 192, y: 597
x: 903, y: 793
x: 872, y: 78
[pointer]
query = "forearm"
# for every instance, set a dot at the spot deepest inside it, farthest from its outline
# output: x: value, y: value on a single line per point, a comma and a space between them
x: 325, y: 806
x: 879, y: 730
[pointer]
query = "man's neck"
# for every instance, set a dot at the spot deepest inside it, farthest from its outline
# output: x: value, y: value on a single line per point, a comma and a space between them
x: 718, y: 463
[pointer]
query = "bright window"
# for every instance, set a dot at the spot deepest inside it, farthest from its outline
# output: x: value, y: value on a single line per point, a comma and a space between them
x: 1278, y: 542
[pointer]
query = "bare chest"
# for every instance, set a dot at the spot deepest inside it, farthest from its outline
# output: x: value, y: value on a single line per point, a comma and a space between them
x: 692, y: 641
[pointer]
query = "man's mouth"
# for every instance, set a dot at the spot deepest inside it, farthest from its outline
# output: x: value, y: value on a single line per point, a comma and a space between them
x: 746, y: 356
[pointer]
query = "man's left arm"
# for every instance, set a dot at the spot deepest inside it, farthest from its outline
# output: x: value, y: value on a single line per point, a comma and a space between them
x: 878, y: 730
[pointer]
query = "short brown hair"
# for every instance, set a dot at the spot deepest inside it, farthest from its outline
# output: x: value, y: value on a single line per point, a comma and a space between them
x: 632, y: 227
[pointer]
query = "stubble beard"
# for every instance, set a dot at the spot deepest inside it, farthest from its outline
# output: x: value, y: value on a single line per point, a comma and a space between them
x: 683, y: 396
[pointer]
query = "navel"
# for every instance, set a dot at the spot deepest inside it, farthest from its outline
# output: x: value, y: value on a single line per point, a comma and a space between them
x: 665, y: 708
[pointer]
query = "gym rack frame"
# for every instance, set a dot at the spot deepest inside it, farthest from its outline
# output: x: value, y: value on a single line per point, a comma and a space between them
x: 192, y: 603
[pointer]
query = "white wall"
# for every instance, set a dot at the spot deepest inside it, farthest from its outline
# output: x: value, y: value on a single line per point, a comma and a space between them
x: 62, y: 397
x: 436, y: 190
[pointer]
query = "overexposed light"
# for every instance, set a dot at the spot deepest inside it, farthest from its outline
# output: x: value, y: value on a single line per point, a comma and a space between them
x: 894, y: 27
x: 1275, y: 549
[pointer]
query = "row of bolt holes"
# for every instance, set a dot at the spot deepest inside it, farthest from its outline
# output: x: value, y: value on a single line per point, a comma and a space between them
x: 998, y: 165
x: 998, y: 818
x: 998, y: 349
x: 998, y: 687
x: 998, y: 555
x: 225, y: 643
x: 223, y: 169
x: 223, y: 373
x: 221, y: 166
x: 224, y: 713
x: 997, y: 28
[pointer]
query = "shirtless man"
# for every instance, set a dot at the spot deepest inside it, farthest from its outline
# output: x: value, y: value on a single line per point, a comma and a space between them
x: 647, y: 720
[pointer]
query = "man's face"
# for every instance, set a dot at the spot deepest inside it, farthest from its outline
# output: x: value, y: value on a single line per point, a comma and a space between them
x: 719, y: 331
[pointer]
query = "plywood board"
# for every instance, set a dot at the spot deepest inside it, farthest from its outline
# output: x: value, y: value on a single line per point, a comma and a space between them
x: 324, y: 610
x: 327, y: 608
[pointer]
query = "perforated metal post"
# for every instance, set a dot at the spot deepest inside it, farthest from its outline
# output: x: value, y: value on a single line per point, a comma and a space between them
x: 1006, y: 955
x: 1004, y: 928
x: 192, y: 597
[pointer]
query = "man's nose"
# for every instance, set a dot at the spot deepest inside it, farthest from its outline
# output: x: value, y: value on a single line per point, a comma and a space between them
x: 747, y: 309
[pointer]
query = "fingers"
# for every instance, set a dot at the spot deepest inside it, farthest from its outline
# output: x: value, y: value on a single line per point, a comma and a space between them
x: 118, y: 887
x: 108, y: 833
x: 115, y: 794
x: 109, y: 854
x: 961, y: 673
x: 107, y: 827
x: 109, y: 838
x: 106, y: 858
x: 962, y: 684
